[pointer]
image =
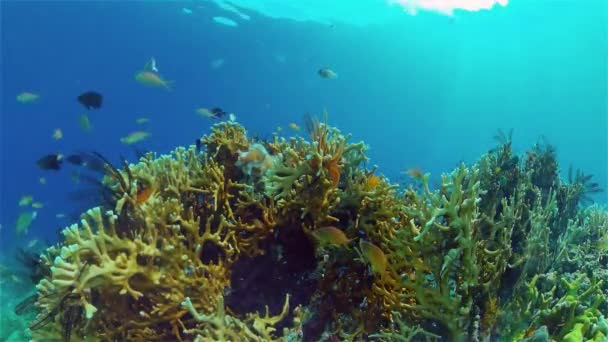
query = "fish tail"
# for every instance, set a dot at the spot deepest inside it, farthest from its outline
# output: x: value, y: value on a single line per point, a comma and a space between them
x: 169, y: 85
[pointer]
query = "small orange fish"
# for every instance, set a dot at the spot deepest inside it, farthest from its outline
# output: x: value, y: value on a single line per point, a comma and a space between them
x: 331, y: 236
x: 374, y: 255
x: 371, y: 182
x: 415, y: 173
x: 143, y: 193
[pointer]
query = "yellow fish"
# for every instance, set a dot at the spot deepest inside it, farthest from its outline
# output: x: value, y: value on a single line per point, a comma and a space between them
x: 331, y: 236
x: 152, y: 79
x: 24, y: 221
x: 85, y: 123
x: 204, y: 112
x: 134, y: 137
x: 25, y: 200
x: 141, y: 121
x: 294, y: 126
x: 374, y: 255
x: 27, y: 97
x: 57, y: 134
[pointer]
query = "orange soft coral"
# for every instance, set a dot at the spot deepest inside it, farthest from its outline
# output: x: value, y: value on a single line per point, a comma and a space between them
x: 319, y: 133
x: 334, y: 167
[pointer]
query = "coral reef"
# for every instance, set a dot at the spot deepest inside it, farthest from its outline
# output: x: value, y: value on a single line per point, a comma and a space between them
x: 296, y: 239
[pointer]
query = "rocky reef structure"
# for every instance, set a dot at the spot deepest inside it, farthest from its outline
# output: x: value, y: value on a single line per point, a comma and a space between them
x: 297, y: 240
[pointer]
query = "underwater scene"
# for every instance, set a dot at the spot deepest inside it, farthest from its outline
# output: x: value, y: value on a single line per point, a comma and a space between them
x: 304, y: 170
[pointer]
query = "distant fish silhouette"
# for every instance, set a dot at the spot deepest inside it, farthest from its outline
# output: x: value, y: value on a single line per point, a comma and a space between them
x: 91, y: 100
x: 50, y: 162
x: 75, y: 159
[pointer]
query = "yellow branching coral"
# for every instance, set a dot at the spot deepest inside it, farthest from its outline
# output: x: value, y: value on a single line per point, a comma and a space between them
x: 180, y: 221
x: 306, y: 176
x: 220, y: 326
x: 194, y: 244
x: 97, y: 270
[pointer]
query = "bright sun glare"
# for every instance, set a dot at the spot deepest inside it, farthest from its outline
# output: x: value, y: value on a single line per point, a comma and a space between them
x: 448, y: 6
x: 351, y: 11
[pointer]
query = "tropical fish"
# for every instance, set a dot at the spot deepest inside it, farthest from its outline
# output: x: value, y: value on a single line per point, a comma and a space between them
x: 42, y: 180
x: 37, y: 205
x: 75, y: 159
x: 217, y: 63
x: 327, y: 73
x: 374, y: 255
x: 204, y: 112
x: 141, y: 121
x: 152, y: 79
x: 90, y: 99
x: 50, y: 162
x: 415, y: 173
x: 143, y: 193
x: 85, y: 123
x: 231, y: 117
x: 25, y: 200
x: 225, y: 21
x: 331, y: 236
x: 218, y: 112
x: 371, y: 182
x: 57, y: 134
x: 24, y: 221
x: 294, y: 126
x: 60, y: 216
x: 32, y: 243
x: 228, y: 7
x: 214, y: 113
x: 186, y: 10
x: 27, y: 97
x: 134, y: 137
x: 199, y: 145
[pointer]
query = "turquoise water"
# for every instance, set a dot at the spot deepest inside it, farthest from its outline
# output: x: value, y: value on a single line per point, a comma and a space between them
x: 424, y: 89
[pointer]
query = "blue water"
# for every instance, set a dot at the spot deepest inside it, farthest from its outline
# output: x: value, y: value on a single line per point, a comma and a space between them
x: 422, y: 91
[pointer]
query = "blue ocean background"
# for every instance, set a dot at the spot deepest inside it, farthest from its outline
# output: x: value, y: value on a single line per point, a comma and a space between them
x: 427, y: 91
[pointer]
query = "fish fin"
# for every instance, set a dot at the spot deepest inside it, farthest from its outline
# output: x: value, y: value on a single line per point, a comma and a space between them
x: 26, y: 305
x: 151, y: 65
